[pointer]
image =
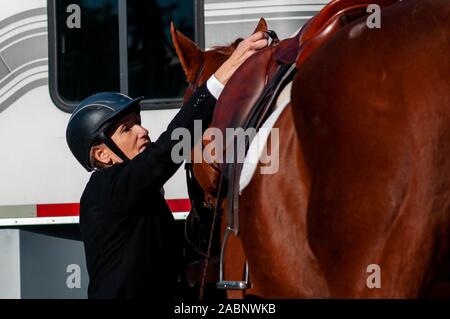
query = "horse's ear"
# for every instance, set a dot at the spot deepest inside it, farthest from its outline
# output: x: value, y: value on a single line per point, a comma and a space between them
x: 190, y: 55
x: 262, y: 26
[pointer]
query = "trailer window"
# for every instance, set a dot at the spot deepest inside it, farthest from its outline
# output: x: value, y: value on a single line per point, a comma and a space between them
x: 118, y: 45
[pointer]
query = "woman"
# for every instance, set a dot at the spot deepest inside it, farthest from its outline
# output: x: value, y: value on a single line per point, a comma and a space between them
x: 126, y: 225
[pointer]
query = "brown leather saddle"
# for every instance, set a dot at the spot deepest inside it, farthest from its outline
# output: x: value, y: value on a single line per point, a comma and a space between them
x: 238, y: 102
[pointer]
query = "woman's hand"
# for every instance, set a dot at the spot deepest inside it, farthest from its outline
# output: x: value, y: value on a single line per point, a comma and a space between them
x: 244, y: 50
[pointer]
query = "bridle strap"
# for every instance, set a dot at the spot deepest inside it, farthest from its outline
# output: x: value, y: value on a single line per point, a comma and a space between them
x: 194, y: 85
x: 195, y: 194
x: 217, y: 217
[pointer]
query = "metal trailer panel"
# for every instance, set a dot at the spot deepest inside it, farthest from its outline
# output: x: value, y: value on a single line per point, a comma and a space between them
x: 52, y: 264
x: 9, y: 264
x: 227, y: 20
x: 40, y: 263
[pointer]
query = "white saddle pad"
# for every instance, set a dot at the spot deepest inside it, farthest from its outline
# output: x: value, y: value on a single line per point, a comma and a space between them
x: 259, y: 142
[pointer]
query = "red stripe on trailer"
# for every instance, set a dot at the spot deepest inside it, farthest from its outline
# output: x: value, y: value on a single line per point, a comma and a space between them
x: 179, y: 205
x: 72, y: 210
x: 57, y: 210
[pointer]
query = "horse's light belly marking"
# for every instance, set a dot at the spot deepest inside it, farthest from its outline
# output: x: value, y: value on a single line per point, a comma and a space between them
x: 256, y: 147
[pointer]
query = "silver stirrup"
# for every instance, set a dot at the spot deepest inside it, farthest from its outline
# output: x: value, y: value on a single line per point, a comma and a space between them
x: 231, y: 285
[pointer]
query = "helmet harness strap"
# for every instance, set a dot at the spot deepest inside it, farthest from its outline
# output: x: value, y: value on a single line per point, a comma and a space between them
x: 113, y: 147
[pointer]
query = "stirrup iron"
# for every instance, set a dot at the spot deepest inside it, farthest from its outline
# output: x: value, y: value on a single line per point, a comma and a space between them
x: 227, y: 284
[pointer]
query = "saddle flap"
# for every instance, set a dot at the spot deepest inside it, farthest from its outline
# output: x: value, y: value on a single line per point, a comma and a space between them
x: 239, y: 97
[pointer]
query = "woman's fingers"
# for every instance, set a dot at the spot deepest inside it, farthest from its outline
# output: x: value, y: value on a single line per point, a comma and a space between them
x: 244, y: 50
x: 258, y: 36
x: 254, y: 42
x: 248, y: 51
x: 260, y: 44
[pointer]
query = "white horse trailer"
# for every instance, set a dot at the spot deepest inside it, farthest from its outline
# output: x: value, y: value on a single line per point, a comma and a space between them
x: 53, y: 53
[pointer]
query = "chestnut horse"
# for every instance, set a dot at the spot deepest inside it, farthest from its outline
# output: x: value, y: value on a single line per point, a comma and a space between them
x: 364, y: 183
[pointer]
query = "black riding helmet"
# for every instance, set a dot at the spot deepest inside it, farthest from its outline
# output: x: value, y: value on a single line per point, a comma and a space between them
x: 90, y: 121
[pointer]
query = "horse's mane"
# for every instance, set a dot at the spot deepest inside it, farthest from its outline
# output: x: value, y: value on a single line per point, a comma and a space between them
x: 227, y: 49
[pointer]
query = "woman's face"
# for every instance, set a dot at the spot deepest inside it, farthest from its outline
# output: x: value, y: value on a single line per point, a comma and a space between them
x: 129, y: 136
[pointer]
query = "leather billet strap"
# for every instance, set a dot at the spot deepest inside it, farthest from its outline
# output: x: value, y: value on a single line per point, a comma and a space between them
x: 262, y: 110
x: 272, y: 35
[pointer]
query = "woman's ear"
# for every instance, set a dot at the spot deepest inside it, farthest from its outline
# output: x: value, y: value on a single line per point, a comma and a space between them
x: 101, y: 154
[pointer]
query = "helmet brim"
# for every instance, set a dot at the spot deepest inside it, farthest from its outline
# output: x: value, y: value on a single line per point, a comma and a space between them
x: 126, y: 108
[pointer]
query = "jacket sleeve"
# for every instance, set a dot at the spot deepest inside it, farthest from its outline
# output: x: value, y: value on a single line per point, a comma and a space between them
x: 154, y: 166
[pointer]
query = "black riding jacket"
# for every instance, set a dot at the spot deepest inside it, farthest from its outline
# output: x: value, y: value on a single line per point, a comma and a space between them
x: 132, y: 250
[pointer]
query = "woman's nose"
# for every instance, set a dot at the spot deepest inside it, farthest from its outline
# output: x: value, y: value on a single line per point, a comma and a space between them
x: 143, y: 132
